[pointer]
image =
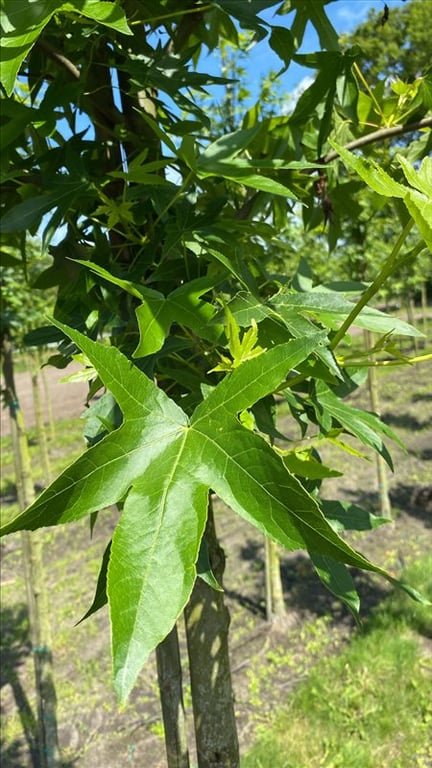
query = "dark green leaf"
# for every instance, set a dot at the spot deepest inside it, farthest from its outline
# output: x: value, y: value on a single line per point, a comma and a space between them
x: 100, y: 599
x: 337, y: 578
x: 345, y: 516
x: 204, y: 569
x: 282, y: 42
x: 366, y: 426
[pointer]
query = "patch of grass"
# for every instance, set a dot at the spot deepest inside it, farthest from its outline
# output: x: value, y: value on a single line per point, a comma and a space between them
x: 67, y: 446
x: 401, y: 609
x: 368, y: 706
x: 288, y: 659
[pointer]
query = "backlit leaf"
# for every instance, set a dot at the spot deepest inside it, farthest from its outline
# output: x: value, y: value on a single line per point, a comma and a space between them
x: 372, y: 173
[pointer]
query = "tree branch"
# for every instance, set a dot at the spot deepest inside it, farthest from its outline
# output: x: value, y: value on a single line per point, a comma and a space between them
x: 370, y: 138
x: 66, y: 63
x: 380, y: 135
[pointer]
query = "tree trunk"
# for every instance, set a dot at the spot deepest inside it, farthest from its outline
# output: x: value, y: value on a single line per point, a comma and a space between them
x: 40, y: 637
x: 424, y: 307
x: 48, y: 749
x: 40, y: 426
x: 48, y: 400
x: 384, y: 498
x: 275, y: 605
x: 171, y: 694
x: 409, y: 303
x: 207, y: 622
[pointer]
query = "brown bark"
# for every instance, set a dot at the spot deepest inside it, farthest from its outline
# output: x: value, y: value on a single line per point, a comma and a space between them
x: 207, y: 623
x: 171, y: 695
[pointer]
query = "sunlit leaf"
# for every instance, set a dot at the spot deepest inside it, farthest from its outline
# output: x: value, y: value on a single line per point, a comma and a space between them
x: 23, y: 22
x: 161, y: 466
x: 372, y: 173
x: 331, y: 306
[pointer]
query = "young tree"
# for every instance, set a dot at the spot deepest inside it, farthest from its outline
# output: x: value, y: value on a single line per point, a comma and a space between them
x: 19, y: 313
x: 167, y: 236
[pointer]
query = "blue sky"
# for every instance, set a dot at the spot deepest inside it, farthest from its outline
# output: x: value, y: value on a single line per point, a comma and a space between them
x: 345, y: 15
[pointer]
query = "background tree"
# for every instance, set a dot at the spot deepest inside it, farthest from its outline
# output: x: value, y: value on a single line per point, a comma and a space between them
x: 398, y: 60
x: 23, y: 309
x: 392, y: 72
x: 400, y: 47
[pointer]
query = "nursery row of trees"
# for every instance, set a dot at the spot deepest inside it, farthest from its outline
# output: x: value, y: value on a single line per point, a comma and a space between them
x: 177, y: 274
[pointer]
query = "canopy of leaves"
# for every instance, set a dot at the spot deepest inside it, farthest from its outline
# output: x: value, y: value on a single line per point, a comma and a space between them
x: 161, y: 465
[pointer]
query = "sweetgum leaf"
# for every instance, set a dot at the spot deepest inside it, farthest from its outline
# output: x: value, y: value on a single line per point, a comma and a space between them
x: 161, y: 466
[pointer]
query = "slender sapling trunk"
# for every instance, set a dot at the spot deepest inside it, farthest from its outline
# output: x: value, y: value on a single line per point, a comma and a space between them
x: 37, y: 598
x: 384, y: 498
x: 171, y: 695
x: 207, y: 623
x: 275, y: 605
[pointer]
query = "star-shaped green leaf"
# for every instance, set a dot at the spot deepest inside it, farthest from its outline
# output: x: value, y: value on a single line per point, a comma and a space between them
x: 161, y: 465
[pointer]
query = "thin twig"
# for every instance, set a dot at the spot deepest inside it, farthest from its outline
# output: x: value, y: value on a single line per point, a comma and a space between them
x: 60, y: 58
x: 380, y: 135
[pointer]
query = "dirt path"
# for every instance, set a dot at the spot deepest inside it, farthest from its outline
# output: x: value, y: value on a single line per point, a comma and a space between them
x: 67, y: 399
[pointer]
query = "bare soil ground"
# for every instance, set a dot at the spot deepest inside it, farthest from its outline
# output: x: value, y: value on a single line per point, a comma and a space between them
x: 67, y: 398
x: 267, y: 661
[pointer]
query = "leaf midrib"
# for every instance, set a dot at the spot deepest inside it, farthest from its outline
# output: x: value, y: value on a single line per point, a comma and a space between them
x: 148, y: 568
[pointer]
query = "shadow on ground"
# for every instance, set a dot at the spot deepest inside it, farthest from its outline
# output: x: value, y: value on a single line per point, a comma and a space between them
x: 403, y: 421
x: 423, y: 396
x: 423, y: 455
x: 15, y: 648
x: 414, y: 500
x: 304, y: 593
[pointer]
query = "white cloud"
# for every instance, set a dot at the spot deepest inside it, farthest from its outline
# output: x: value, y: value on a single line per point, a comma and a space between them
x: 302, y: 86
x: 353, y: 12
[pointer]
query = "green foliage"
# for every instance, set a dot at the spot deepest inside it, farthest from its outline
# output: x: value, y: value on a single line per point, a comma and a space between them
x: 17, y: 41
x: 126, y: 466
x: 401, y: 46
x: 170, y: 223
x: 23, y: 308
